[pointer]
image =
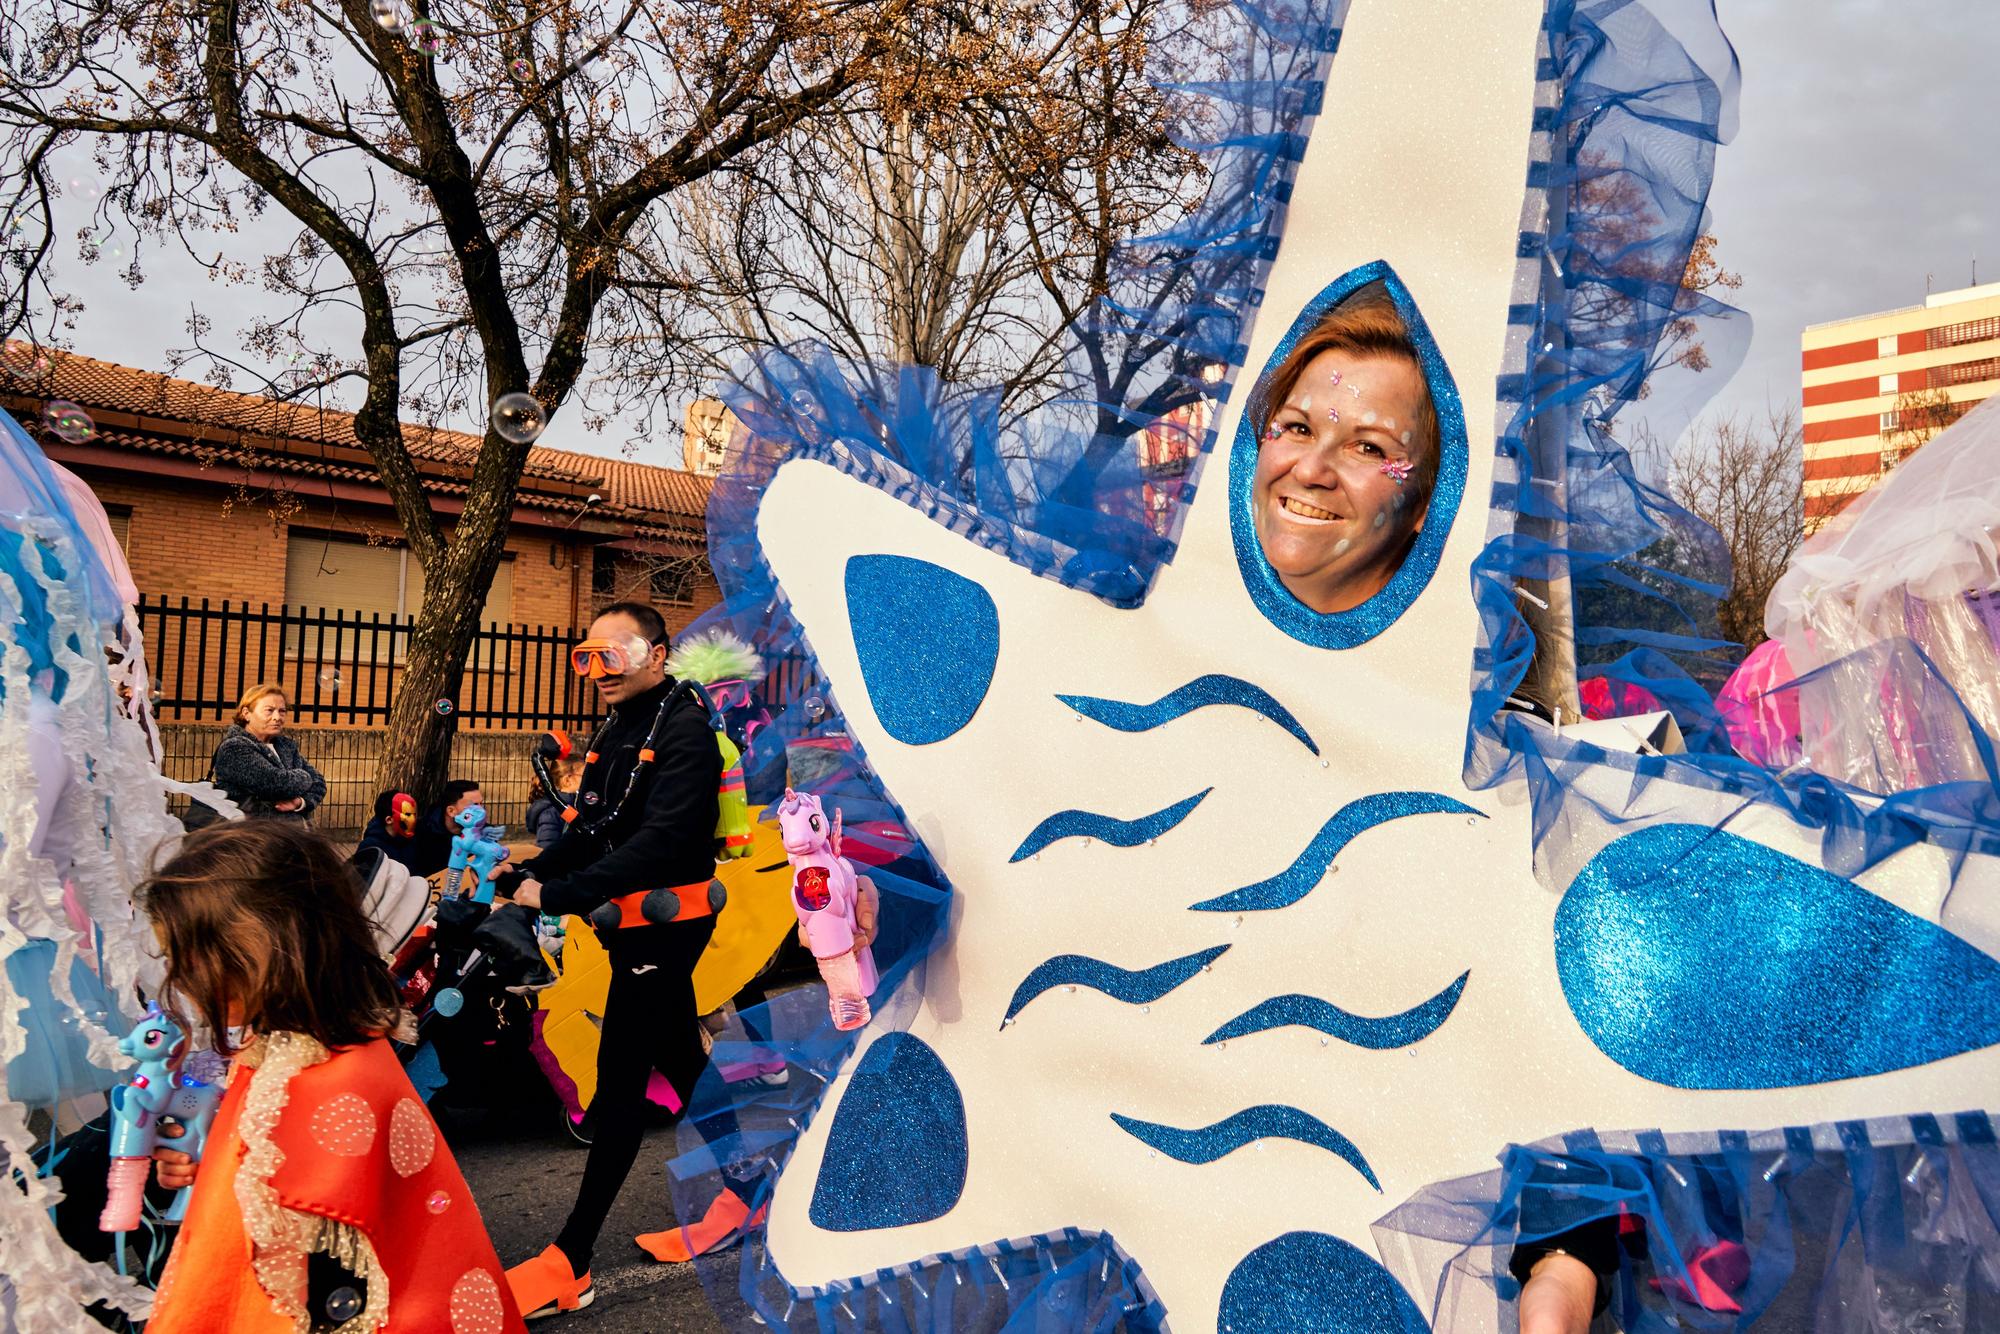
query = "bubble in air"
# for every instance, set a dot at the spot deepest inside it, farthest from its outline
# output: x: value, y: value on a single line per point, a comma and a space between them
x: 388, y: 14
x: 425, y: 34
x: 69, y: 422
x: 443, y: 707
x: 815, y: 709
x: 329, y: 679
x: 804, y: 403
x: 521, y: 68
x: 518, y: 418
x: 438, y: 1202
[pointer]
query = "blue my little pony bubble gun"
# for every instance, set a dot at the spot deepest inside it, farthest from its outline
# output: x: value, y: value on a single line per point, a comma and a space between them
x: 470, y: 851
x: 136, y: 1108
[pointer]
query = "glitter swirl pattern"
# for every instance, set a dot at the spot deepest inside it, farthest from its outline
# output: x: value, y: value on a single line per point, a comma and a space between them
x: 1134, y: 987
x: 1200, y: 693
x: 1118, y: 833
x: 1309, y: 868
x: 1386, y: 1034
x: 1270, y: 1121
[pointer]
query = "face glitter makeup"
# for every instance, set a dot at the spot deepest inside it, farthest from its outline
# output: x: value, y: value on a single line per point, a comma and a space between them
x: 1368, y: 417
x: 1399, y: 469
x: 1306, y: 403
x: 1340, y: 547
x: 1381, y: 517
x: 1333, y: 414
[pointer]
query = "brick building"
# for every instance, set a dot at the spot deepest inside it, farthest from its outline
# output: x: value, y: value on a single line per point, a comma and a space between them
x: 1876, y: 386
x: 268, y: 510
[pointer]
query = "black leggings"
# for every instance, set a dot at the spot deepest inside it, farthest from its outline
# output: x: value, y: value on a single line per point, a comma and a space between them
x: 649, y: 1024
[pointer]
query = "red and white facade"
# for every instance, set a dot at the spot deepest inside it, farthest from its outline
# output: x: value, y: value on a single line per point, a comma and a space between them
x: 1855, y: 370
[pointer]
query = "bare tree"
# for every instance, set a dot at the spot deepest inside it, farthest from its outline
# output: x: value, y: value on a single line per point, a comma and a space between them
x: 1741, y: 475
x: 972, y: 235
x: 479, y: 196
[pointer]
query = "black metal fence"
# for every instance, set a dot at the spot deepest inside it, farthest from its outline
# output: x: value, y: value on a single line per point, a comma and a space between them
x: 343, y: 668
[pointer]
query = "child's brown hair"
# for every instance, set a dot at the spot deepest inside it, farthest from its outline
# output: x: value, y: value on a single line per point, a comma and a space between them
x: 266, y: 914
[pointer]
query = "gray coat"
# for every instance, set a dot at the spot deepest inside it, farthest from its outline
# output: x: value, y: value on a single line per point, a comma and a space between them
x: 257, y: 776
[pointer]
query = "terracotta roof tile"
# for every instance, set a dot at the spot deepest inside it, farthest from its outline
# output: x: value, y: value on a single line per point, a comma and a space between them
x: 189, y: 419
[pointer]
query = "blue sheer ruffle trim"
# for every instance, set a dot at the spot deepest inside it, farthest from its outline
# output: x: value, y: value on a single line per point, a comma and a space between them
x: 1889, y: 1224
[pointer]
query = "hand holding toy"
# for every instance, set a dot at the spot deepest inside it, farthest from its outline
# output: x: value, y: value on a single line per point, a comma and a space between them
x: 825, y: 894
x: 469, y: 850
x: 136, y: 1108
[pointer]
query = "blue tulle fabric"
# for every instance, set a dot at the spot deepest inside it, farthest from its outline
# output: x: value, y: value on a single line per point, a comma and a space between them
x: 1632, y: 147
x: 1883, y: 1225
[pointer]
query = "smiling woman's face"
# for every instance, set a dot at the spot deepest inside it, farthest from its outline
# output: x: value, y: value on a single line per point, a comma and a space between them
x: 1337, y: 478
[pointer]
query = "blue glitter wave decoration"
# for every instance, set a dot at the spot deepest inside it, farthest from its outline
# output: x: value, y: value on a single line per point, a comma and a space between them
x: 1702, y: 960
x: 1268, y: 1121
x: 1356, y: 817
x: 928, y: 640
x: 1133, y: 986
x: 1200, y: 693
x: 1386, y: 1034
x: 1345, y: 629
x: 1118, y: 833
x: 897, y: 1150
x: 1312, y: 1283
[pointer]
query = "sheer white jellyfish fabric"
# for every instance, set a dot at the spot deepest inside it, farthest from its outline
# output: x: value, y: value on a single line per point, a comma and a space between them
x: 1890, y: 616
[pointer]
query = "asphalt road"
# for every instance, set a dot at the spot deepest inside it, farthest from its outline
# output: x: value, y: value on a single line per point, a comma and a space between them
x: 525, y: 1181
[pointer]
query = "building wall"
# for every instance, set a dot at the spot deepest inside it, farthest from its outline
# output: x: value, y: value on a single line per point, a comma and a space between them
x: 1853, y: 372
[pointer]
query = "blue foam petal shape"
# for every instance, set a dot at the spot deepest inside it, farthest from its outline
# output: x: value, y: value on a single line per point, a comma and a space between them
x: 1702, y: 960
x: 897, y: 1151
x: 928, y: 640
x: 1311, y: 1283
x: 1199, y: 693
x: 1118, y: 833
x: 1268, y: 1121
x: 1356, y: 817
x: 1386, y: 1034
x: 1134, y: 987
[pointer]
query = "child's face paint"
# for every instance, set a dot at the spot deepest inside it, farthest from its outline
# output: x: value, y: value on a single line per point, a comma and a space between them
x: 1328, y: 483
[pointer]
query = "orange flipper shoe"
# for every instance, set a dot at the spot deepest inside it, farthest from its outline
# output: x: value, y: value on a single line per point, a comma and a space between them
x: 725, y: 1218
x: 546, y: 1285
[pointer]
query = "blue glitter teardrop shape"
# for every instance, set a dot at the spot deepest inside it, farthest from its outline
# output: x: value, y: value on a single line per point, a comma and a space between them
x: 897, y: 1150
x: 1311, y: 1283
x: 1702, y: 960
x: 928, y: 640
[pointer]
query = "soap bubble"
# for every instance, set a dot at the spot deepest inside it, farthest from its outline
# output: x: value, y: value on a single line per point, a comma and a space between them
x: 425, y: 34
x: 804, y: 403
x: 815, y: 708
x: 69, y: 422
x: 329, y: 679
x: 24, y: 361
x: 388, y: 14
x: 521, y: 69
x: 518, y: 418
x: 443, y: 707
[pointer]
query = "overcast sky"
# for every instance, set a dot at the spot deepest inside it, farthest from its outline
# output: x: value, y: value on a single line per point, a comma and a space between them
x: 1864, y: 159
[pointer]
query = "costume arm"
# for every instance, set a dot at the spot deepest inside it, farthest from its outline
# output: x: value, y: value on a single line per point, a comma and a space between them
x: 680, y: 814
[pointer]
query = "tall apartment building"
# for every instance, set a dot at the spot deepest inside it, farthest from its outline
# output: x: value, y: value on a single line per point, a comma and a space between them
x: 1876, y: 386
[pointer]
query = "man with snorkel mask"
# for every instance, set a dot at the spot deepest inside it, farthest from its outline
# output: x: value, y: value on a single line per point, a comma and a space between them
x: 637, y: 858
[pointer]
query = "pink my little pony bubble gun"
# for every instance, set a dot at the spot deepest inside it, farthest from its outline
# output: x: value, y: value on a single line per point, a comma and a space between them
x: 136, y: 1108
x: 825, y: 894
x: 470, y: 850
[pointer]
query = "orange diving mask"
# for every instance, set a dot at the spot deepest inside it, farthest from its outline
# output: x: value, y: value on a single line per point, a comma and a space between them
x: 614, y: 656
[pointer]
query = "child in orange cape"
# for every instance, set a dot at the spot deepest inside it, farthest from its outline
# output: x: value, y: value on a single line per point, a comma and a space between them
x: 325, y: 1198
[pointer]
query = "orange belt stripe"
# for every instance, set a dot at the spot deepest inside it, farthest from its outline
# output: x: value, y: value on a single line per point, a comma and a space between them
x: 694, y: 904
